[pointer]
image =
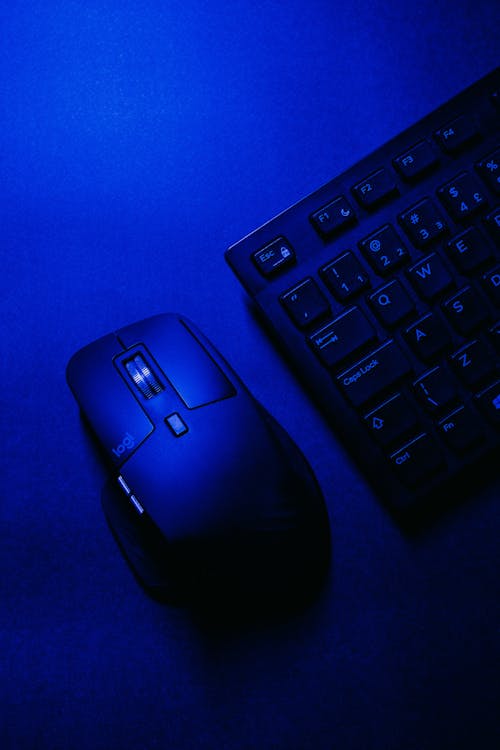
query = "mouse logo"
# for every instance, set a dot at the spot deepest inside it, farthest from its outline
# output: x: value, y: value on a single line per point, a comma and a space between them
x: 126, y: 444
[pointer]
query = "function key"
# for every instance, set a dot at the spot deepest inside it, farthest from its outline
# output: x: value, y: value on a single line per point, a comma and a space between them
x: 428, y: 337
x: 345, y: 276
x: 418, y: 460
x: 305, y: 303
x: 489, y: 402
x: 456, y: 134
x: 417, y: 160
x: 461, y: 429
x: 375, y: 373
x: 343, y: 337
x: 275, y: 257
x: 491, y: 282
x: 391, y: 304
x: 333, y: 217
x: 423, y: 223
x: 489, y: 169
x: 384, y: 250
x: 469, y: 250
x: 375, y: 188
x: 465, y: 310
x: 391, y: 420
x: 462, y: 196
x: 429, y: 276
x: 492, y: 221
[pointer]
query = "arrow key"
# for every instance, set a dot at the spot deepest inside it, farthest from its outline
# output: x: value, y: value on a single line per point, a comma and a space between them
x: 392, y: 420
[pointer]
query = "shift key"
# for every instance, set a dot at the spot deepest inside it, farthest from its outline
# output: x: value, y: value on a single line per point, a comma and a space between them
x: 373, y: 374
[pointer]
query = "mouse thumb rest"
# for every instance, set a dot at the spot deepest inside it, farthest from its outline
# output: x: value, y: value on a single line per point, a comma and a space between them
x: 279, y: 546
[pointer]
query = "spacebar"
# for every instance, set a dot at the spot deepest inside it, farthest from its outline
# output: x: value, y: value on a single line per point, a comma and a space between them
x: 374, y: 373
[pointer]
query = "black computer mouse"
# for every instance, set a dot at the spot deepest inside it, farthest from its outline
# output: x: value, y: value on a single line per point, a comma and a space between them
x: 208, y: 494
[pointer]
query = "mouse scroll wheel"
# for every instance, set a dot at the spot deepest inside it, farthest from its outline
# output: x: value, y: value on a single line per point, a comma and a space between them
x: 143, y: 377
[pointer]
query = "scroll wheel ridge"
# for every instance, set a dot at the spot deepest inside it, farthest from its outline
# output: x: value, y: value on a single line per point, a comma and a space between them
x: 143, y: 377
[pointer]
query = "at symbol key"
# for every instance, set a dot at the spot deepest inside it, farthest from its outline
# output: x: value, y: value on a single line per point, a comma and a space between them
x: 384, y: 250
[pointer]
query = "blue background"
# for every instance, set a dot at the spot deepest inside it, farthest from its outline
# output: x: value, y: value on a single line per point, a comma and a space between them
x: 138, y: 141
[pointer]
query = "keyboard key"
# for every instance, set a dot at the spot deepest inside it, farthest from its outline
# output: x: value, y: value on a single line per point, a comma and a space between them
x: 275, y: 257
x: 343, y: 337
x: 333, y: 217
x: 375, y: 373
x: 436, y: 389
x: 417, y: 160
x: 305, y: 303
x: 423, y: 223
x: 462, y: 196
x: 492, y: 221
x: 392, y: 420
x: 386, y: 243
x: 417, y: 461
x: 345, y: 276
x: 494, y: 333
x: 462, y: 429
x: 469, y: 250
x: 457, y: 134
x: 428, y: 337
x: 489, y: 169
x: 375, y: 188
x: 384, y: 250
x: 491, y: 282
x: 473, y: 363
x: 489, y: 403
x: 465, y: 310
x: 391, y: 304
x: 430, y: 277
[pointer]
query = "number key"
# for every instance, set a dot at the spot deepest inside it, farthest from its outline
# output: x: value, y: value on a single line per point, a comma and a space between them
x: 423, y: 223
x: 462, y: 196
x: 384, y: 250
x: 345, y: 276
x: 489, y: 169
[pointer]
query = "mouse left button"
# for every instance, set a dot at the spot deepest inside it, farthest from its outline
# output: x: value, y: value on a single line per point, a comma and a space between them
x: 110, y: 407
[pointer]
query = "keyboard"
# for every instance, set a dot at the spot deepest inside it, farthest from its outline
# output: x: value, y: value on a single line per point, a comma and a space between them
x: 382, y: 288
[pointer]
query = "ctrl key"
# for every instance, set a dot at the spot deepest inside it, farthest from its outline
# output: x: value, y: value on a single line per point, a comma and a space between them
x: 418, y: 460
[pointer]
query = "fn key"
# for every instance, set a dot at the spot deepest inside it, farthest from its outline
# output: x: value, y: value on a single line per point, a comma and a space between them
x: 418, y: 460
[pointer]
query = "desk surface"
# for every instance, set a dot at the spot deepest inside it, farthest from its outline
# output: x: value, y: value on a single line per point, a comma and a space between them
x: 138, y: 142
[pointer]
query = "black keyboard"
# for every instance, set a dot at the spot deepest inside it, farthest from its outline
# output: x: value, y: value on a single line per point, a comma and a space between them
x: 383, y: 288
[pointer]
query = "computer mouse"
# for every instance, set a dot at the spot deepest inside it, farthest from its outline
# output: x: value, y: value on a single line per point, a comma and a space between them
x: 207, y: 493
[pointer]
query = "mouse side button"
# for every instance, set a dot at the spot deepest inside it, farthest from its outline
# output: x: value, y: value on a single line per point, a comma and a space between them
x: 113, y: 413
